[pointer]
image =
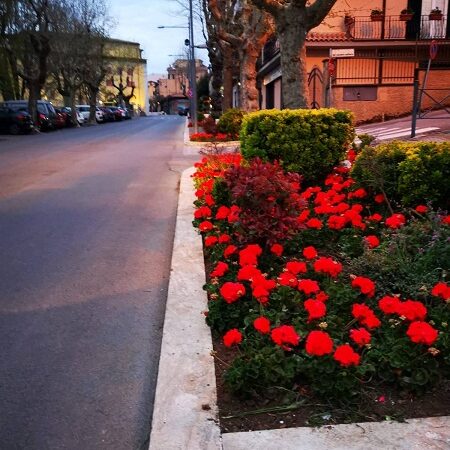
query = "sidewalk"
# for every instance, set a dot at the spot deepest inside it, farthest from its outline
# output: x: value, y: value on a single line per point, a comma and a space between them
x: 185, y: 410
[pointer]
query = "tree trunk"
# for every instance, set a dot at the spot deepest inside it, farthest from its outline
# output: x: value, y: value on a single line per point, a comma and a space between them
x: 34, y: 95
x: 228, y: 69
x: 73, y: 109
x: 293, y: 61
x: 249, y: 92
x: 93, y: 91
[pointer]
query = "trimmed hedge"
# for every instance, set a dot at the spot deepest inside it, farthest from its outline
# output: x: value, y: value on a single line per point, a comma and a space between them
x: 409, y: 172
x: 309, y: 142
x: 230, y: 122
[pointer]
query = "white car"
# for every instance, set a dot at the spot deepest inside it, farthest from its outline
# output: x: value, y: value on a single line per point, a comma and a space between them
x: 85, y: 112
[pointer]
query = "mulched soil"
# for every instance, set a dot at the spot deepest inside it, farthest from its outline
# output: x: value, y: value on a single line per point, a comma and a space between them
x: 378, y: 404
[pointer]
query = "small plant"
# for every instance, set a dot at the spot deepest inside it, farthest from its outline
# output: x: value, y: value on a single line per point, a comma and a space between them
x: 376, y: 15
x: 209, y: 125
x: 230, y: 122
x: 406, y: 14
x: 435, y: 14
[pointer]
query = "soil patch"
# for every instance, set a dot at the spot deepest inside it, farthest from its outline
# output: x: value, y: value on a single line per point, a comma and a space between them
x: 299, y: 408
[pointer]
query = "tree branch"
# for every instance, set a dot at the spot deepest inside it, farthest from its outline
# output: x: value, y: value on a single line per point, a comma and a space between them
x: 318, y: 11
x: 271, y: 6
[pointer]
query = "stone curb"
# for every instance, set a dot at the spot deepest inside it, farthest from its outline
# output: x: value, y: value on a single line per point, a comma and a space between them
x: 185, y: 409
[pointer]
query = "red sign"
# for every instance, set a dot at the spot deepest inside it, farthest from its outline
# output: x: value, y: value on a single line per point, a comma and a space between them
x: 331, y: 66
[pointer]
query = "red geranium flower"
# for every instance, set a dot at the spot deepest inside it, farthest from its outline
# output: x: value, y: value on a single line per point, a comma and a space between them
x: 261, y: 287
x: 372, y: 241
x: 222, y: 213
x: 395, y: 221
x: 346, y: 356
x: 296, y: 267
x: 360, y: 336
x: 210, y: 241
x: 224, y: 238
x: 232, y: 291
x: 422, y: 209
x: 389, y: 305
x: 277, y: 249
x: 365, y: 316
x: 322, y: 296
x: 288, y: 279
x: 328, y: 266
x: 232, y: 337
x: 262, y: 325
x: 336, y: 222
x: 375, y: 217
x: 309, y: 252
x: 379, y: 198
x: 202, y: 212
x: 205, y: 226
x: 308, y: 287
x: 247, y: 273
x: 422, y: 333
x: 220, y: 270
x: 442, y: 290
x: 365, y: 285
x: 249, y: 255
x: 230, y: 250
x: 446, y: 220
x: 234, y: 214
x: 318, y: 343
x: 314, y: 223
x: 285, y: 336
x: 412, y: 310
x: 316, y: 309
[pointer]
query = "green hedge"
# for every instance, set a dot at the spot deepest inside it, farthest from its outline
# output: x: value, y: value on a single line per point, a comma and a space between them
x: 409, y: 172
x: 230, y: 122
x: 309, y: 142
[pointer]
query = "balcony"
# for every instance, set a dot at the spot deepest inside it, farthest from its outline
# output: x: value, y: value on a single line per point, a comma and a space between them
x: 392, y: 27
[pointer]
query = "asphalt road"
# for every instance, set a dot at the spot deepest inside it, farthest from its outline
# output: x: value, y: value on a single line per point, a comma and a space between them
x: 86, y: 231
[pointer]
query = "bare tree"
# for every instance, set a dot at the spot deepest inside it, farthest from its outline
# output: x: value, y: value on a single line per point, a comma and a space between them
x: 293, y: 19
x: 246, y: 29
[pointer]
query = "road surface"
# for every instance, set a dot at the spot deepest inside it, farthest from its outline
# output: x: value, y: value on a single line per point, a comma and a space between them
x: 86, y: 231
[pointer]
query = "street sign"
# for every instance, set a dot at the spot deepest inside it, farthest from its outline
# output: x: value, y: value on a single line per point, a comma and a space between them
x: 433, y: 49
x: 342, y: 52
x: 331, y: 66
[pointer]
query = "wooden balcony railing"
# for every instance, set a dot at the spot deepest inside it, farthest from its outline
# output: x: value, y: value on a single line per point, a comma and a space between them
x: 392, y: 27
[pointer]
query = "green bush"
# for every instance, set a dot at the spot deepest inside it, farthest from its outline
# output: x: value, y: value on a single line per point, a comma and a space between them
x: 310, y: 142
x: 230, y: 122
x: 409, y: 173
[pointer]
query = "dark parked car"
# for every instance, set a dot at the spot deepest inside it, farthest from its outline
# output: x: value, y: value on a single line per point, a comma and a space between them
x: 46, y: 119
x: 15, y: 122
x: 61, y: 119
x: 108, y: 114
x: 118, y: 113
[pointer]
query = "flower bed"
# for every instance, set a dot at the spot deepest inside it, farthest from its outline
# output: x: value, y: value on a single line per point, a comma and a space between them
x: 210, y: 137
x: 322, y: 294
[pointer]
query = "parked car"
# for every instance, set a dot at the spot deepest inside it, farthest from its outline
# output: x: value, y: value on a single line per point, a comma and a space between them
x: 46, y: 119
x: 61, y: 119
x: 118, y: 113
x: 68, y: 111
x: 85, y: 112
x: 108, y: 114
x: 15, y: 122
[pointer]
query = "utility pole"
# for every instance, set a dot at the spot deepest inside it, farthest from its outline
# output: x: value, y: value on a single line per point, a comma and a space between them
x: 193, y: 70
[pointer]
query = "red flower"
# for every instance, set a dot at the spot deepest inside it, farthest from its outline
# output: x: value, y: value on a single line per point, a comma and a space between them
x: 318, y: 343
x: 365, y: 285
x: 336, y: 222
x: 210, y: 241
x: 230, y: 250
x: 277, y: 249
x: 232, y: 291
x: 389, y: 305
x: 446, y: 220
x: 316, y: 309
x: 314, y: 223
x: 359, y: 193
x: 321, y: 296
x: 287, y: 279
x: 262, y: 287
x: 232, y: 337
x: 308, y: 287
x: 296, y: 267
x: 285, y: 334
x: 360, y: 336
x: 303, y: 216
x: 412, y: 310
x: 247, y: 273
x: 346, y: 356
x: 365, y: 316
x: 375, y: 217
x: 328, y: 266
x: 234, y: 214
x: 224, y: 238
x: 309, y: 252
x: 249, y: 255
x: 206, y: 226
x: 262, y: 325
x: 442, y: 290
x: 220, y: 270
x: 395, y: 221
x: 422, y: 209
x: 372, y: 241
x: 379, y: 198
x: 202, y: 212
x: 222, y: 213
x: 422, y: 333
x: 209, y: 200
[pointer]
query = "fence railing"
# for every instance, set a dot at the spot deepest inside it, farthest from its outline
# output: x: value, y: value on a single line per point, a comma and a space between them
x: 393, y: 27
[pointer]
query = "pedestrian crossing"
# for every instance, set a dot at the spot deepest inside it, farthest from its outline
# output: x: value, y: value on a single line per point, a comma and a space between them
x: 386, y: 133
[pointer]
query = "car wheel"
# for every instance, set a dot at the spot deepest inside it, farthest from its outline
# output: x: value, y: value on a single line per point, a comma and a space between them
x: 14, y: 128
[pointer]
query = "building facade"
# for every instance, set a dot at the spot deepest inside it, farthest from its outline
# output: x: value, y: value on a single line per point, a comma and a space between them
x: 368, y: 64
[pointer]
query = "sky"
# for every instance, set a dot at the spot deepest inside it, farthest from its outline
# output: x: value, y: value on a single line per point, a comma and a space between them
x: 138, y: 21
